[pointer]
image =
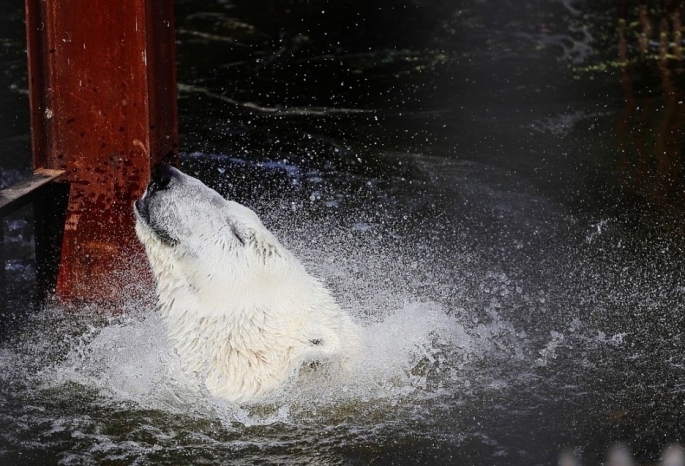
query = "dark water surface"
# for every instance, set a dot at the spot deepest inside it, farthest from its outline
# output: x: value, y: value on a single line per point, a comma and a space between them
x: 480, y: 182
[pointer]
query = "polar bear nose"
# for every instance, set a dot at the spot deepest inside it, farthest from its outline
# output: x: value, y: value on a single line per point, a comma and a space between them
x: 162, y: 177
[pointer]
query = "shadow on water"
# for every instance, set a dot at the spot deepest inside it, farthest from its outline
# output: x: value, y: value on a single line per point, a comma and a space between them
x: 494, y: 188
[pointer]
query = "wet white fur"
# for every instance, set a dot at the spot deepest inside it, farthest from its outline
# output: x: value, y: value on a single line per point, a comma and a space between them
x: 242, y: 312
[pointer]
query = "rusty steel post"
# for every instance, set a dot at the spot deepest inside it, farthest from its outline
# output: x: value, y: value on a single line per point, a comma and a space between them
x: 102, y: 86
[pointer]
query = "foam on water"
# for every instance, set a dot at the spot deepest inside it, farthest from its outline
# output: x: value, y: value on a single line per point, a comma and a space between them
x: 128, y: 359
x: 419, y: 351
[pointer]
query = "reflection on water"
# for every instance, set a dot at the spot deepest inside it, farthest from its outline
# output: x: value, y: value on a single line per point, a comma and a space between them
x: 651, y: 130
x: 451, y: 172
x: 651, y: 137
x: 638, y: 20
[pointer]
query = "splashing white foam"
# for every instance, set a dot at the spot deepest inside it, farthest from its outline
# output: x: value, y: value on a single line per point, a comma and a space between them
x: 418, y: 351
x: 130, y: 360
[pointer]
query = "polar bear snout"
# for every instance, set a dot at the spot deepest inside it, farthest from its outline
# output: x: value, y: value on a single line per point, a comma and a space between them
x: 162, y: 179
x: 156, y: 209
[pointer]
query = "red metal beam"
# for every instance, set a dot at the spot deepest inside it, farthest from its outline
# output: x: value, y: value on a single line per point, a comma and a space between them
x: 102, y: 88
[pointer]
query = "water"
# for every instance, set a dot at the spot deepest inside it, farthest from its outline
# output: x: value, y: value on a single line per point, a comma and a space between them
x: 470, y: 180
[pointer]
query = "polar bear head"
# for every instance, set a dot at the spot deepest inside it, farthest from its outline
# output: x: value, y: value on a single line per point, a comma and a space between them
x: 181, y: 213
x: 213, y: 249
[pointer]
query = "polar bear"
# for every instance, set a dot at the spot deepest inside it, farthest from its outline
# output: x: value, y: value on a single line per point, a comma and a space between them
x: 241, y: 311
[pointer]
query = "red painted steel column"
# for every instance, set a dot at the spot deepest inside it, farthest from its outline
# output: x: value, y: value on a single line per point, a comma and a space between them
x: 102, y: 85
